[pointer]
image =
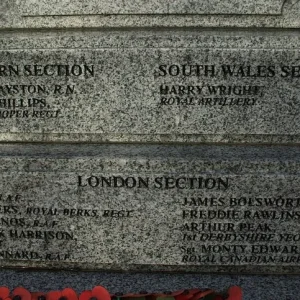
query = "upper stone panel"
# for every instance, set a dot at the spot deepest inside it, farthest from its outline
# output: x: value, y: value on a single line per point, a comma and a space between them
x: 65, y: 14
x: 100, y: 7
x: 150, y: 86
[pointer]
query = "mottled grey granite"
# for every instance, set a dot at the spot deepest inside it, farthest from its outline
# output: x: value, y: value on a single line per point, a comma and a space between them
x: 150, y: 208
x: 254, y: 287
x: 46, y: 14
x: 161, y: 7
x: 130, y: 86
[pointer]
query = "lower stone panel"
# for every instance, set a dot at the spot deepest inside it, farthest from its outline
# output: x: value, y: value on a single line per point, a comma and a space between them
x: 150, y: 208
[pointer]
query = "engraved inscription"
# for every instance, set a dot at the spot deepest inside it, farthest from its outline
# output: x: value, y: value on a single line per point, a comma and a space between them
x: 218, y: 95
x: 97, y: 219
x: 174, y: 93
x: 30, y: 100
x: 240, y: 230
x: 109, y: 94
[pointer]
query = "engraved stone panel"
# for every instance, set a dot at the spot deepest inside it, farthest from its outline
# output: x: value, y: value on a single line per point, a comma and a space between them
x: 150, y: 87
x: 92, y: 7
x: 163, y: 208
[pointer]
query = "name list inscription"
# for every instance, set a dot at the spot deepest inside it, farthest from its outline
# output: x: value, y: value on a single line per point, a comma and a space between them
x: 219, y: 95
x: 202, y: 94
x: 30, y: 100
x: 202, y: 220
x: 36, y: 100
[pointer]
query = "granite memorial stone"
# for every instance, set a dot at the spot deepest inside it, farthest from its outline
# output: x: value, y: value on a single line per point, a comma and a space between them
x: 150, y: 72
x: 150, y: 86
x: 129, y: 207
